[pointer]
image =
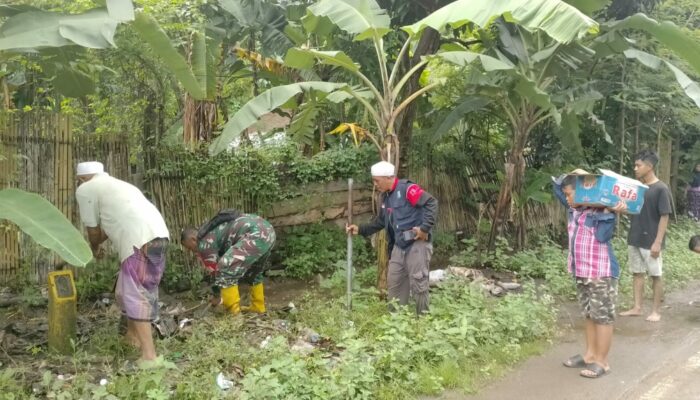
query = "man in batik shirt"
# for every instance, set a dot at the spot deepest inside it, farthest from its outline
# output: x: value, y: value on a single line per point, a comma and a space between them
x: 233, y: 246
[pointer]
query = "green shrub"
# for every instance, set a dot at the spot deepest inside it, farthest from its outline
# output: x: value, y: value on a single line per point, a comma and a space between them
x: 371, y: 355
x: 548, y: 261
x: 11, y: 384
x: 444, y: 243
x: 267, y: 174
x: 313, y: 249
x: 180, y: 273
x: 475, y: 256
x: 363, y: 278
x: 97, y: 278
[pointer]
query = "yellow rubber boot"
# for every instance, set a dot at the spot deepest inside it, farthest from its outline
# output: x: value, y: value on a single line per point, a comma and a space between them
x: 257, y: 299
x: 231, y: 299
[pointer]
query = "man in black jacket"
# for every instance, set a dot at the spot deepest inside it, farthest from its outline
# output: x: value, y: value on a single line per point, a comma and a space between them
x: 408, y: 213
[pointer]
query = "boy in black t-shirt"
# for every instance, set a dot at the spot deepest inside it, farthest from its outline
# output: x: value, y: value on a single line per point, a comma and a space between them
x: 645, y: 240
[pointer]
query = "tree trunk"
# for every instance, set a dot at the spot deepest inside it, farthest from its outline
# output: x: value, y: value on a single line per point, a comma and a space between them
x: 7, y: 98
x: 428, y: 44
x: 512, y: 183
x: 149, y: 129
x: 622, y: 124
x: 665, y: 158
x: 321, y: 134
x: 390, y: 154
x: 198, y: 121
x: 675, y: 161
x: 636, y: 135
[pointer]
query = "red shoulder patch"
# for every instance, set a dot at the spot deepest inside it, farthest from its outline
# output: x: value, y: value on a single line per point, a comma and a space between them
x: 413, y: 194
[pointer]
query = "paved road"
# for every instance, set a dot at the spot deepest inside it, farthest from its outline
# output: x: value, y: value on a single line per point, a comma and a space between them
x: 649, y: 361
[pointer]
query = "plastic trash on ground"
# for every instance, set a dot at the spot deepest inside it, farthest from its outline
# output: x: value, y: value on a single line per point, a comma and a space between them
x: 222, y: 382
x: 436, y: 276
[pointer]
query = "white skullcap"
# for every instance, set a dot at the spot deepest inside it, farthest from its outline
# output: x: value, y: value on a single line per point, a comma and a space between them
x: 90, y: 168
x: 383, y: 168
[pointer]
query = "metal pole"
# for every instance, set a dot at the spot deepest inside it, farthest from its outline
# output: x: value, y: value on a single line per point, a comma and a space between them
x: 349, y: 271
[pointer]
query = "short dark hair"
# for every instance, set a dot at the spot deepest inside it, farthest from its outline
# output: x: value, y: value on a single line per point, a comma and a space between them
x: 694, y: 242
x: 188, y: 233
x: 647, y: 156
x: 569, y: 180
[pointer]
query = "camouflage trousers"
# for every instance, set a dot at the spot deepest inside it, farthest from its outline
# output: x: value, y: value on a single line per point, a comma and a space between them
x: 597, y: 299
x: 248, y: 256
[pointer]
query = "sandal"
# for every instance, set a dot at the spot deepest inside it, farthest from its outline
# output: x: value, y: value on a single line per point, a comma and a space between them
x: 597, y: 371
x: 576, y: 361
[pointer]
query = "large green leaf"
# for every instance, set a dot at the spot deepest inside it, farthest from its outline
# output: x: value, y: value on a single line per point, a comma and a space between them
x: 589, y: 7
x: 364, y: 19
x: 303, y: 127
x: 31, y: 30
x: 464, y: 106
x: 561, y: 21
x: 319, y: 25
x: 199, y: 61
x: 340, y: 96
x: 265, y: 103
x: 121, y: 10
x: 690, y: 87
x: 685, y: 46
x: 265, y: 21
x: 610, y: 43
x: 42, y: 221
x: 304, y: 59
x: 7, y: 10
x: 569, y: 133
x: 34, y: 30
x: 155, y: 36
x: 463, y: 58
x: 71, y: 82
x: 94, y: 29
x: 533, y: 94
x: 214, y: 56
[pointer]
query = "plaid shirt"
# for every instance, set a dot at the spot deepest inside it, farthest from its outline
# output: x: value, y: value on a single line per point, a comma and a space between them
x: 588, y: 258
x: 590, y: 251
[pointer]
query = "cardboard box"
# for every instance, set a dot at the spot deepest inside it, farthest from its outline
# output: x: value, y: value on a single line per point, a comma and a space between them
x: 608, y: 188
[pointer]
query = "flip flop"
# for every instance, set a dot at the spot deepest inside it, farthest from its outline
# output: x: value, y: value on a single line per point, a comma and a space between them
x: 597, y: 370
x: 576, y: 361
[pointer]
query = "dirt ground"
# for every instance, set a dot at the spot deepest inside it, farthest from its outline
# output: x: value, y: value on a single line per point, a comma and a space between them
x: 649, y: 361
x: 24, y: 329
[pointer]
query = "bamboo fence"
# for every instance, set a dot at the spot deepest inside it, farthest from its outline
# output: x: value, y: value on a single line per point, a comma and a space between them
x: 39, y: 153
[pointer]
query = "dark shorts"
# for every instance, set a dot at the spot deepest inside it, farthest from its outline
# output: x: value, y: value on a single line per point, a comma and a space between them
x: 597, y: 298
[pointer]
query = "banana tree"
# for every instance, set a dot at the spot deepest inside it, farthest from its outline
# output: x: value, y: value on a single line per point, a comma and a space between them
x: 385, y: 99
x: 31, y: 30
x: 229, y: 22
x: 195, y: 71
x: 59, y: 38
x: 531, y: 92
x: 44, y: 223
x: 538, y: 42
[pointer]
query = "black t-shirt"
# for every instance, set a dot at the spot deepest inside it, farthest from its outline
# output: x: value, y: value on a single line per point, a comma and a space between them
x: 643, y: 227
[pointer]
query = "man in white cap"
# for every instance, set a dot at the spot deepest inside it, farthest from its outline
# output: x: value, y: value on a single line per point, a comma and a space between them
x: 116, y: 210
x: 408, y: 213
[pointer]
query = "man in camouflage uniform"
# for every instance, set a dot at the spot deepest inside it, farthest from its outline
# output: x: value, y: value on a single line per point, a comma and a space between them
x: 233, y: 247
